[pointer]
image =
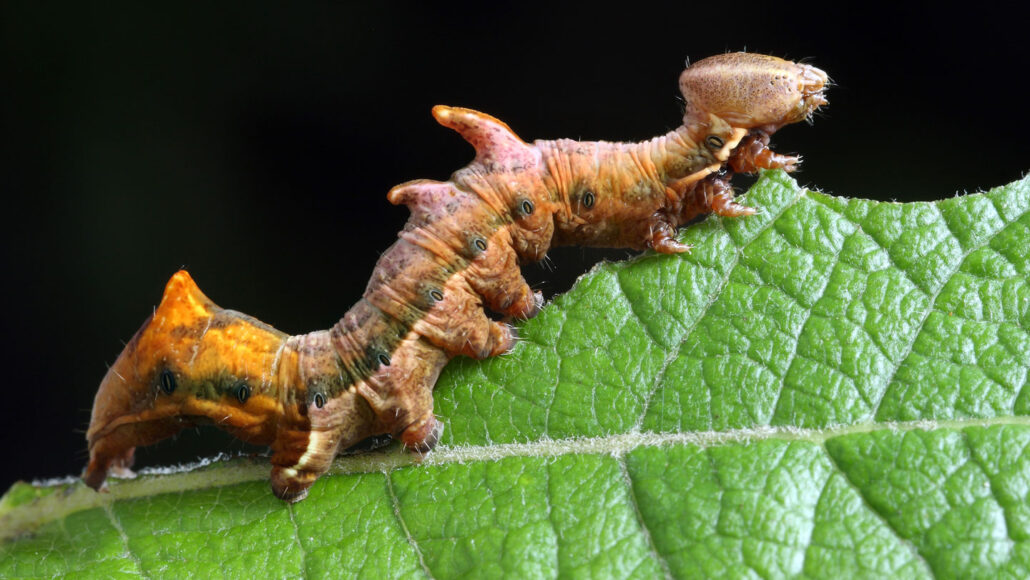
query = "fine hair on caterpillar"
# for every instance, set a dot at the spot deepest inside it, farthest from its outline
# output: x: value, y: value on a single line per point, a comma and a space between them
x: 310, y: 396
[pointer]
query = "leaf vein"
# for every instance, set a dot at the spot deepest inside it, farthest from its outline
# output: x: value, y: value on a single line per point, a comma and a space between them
x: 395, y: 501
x: 296, y: 538
x: 627, y: 480
x: 113, y: 517
x: 801, y: 332
x: 712, y: 298
x: 975, y: 460
x: 838, y: 468
x: 932, y: 306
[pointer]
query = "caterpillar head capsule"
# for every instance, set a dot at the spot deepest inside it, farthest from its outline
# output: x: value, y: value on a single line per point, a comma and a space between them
x: 752, y: 91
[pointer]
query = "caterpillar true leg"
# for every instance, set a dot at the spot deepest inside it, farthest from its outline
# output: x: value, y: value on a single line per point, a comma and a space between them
x: 754, y: 154
x: 662, y: 236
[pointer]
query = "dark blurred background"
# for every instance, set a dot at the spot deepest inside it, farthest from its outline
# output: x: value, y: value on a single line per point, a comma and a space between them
x: 254, y: 144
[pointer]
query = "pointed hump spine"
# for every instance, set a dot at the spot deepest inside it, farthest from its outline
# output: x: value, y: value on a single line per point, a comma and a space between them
x: 427, y: 198
x: 494, y: 141
x: 184, y: 298
x: 418, y: 192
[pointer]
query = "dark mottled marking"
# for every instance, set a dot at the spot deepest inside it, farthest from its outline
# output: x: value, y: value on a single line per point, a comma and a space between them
x: 228, y: 317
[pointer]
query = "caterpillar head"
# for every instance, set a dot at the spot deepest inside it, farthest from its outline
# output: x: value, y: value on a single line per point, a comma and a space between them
x: 190, y: 362
x: 752, y: 91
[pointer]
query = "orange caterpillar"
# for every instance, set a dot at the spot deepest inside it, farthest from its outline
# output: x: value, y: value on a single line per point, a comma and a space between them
x: 372, y: 373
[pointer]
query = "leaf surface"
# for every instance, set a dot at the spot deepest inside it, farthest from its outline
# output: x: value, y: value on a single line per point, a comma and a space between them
x: 830, y: 388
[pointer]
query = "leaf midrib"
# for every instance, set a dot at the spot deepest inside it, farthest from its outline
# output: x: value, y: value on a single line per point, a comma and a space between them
x: 187, y: 478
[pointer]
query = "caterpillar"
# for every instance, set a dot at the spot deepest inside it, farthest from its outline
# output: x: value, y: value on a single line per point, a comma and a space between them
x: 310, y: 396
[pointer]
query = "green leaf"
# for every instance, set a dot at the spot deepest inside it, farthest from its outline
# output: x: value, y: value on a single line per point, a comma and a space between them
x: 830, y: 388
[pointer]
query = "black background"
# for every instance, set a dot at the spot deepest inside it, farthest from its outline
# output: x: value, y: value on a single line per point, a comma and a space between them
x: 254, y: 144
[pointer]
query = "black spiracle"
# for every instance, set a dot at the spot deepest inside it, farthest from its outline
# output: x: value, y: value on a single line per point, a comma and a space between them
x: 527, y: 207
x: 168, y: 382
x: 588, y: 199
x: 242, y: 392
x: 714, y: 142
